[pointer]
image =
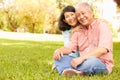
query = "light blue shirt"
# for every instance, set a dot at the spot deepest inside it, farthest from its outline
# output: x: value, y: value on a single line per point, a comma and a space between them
x: 66, y: 38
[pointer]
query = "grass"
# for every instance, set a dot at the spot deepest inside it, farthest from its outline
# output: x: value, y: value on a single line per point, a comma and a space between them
x: 32, y: 60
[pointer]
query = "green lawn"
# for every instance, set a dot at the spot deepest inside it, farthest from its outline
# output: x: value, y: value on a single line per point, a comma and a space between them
x: 32, y: 60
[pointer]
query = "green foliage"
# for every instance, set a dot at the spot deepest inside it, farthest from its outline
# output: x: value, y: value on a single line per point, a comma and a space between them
x: 35, y: 15
x: 32, y: 60
x: 32, y: 15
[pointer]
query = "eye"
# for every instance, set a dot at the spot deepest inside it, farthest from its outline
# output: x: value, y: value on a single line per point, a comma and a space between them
x: 72, y: 14
x: 82, y: 13
x: 66, y: 16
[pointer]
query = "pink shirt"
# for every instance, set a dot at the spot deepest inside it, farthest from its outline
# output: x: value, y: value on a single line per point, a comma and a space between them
x: 98, y: 35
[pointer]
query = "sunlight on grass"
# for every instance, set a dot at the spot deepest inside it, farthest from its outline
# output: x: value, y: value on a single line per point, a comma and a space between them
x: 32, y: 60
x: 116, y: 39
x: 12, y: 43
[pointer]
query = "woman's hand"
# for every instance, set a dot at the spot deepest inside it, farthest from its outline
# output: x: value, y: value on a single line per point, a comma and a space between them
x: 57, y: 54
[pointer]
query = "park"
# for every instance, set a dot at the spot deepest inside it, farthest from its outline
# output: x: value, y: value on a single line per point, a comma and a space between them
x: 32, y: 60
x: 26, y: 49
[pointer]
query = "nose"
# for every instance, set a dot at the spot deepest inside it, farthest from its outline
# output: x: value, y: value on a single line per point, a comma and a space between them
x: 71, y: 17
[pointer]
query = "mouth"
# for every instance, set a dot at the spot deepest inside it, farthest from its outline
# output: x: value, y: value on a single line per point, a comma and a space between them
x: 72, y: 21
x: 83, y: 20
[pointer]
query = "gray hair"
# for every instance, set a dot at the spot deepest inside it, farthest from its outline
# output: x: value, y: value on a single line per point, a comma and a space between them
x: 84, y: 3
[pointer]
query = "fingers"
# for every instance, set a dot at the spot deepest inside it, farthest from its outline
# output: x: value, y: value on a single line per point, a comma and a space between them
x: 58, y: 54
x: 61, y: 54
x: 57, y: 57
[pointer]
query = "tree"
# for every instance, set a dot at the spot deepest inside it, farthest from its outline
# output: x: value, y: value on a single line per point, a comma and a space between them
x: 31, y: 15
x: 118, y: 2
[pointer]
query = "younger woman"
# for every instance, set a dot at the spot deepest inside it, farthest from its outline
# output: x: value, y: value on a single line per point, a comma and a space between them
x: 68, y: 24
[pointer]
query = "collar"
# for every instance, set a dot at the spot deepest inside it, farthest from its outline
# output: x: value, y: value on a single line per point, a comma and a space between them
x: 91, y: 26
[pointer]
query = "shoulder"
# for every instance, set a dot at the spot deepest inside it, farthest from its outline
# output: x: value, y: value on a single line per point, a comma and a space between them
x: 101, y: 21
x: 104, y: 26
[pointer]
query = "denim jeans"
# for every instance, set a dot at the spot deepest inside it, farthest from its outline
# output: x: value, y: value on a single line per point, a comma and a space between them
x: 90, y: 66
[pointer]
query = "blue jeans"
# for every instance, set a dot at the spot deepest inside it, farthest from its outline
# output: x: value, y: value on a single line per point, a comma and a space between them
x: 89, y: 66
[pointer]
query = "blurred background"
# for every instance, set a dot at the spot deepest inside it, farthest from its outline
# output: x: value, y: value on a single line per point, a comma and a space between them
x: 41, y: 16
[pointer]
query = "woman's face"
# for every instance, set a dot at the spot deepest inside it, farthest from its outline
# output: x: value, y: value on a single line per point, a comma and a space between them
x: 70, y: 18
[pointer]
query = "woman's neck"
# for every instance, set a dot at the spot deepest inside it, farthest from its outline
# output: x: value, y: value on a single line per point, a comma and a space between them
x: 76, y: 25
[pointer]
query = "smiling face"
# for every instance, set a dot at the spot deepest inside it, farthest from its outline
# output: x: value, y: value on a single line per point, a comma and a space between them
x: 85, y: 15
x: 70, y: 18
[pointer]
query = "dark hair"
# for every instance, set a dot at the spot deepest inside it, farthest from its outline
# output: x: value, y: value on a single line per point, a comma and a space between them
x: 61, y: 24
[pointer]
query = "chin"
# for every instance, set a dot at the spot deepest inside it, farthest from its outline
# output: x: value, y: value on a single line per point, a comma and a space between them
x: 85, y: 24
